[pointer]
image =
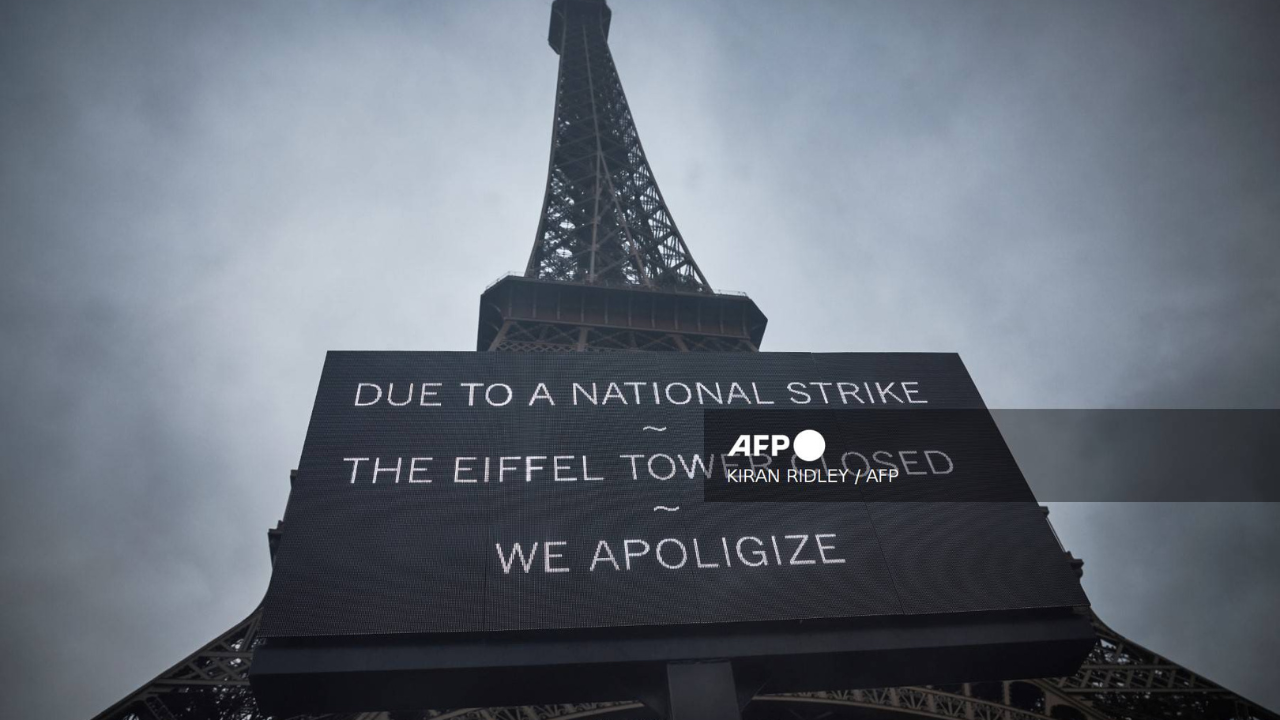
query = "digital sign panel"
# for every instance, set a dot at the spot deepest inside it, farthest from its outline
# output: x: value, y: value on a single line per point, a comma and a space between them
x: 449, y: 493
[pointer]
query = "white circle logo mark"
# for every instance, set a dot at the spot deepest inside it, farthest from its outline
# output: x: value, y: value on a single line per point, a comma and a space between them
x: 810, y: 445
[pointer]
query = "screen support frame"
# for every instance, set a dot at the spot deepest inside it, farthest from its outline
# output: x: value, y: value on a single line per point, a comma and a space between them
x: 391, y: 673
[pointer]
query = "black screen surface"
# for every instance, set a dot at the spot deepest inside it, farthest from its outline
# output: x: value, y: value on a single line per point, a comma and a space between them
x: 595, y: 466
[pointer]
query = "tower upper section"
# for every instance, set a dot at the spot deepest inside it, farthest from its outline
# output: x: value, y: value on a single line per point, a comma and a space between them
x: 604, y: 221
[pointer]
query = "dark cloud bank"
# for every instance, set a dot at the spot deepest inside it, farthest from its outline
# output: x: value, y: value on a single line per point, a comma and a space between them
x: 197, y: 201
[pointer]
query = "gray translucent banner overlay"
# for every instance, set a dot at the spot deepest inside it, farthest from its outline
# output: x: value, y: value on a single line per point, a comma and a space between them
x: 1146, y: 455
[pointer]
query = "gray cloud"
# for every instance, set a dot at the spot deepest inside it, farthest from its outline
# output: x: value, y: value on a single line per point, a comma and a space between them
x: 197, y: 201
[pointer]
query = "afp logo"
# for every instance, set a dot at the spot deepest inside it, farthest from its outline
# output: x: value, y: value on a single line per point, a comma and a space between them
x: 809, y: 445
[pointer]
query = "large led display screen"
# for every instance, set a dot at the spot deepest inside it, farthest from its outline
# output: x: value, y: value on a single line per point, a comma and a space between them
x: 445, y: 492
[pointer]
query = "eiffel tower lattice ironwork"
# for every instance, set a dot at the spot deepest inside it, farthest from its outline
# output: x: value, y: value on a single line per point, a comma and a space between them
x: 609, y: 271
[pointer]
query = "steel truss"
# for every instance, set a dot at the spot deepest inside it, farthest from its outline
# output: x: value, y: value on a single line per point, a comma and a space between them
x: 516, y: 336
x: 604, y: 224
x: 603, y: 221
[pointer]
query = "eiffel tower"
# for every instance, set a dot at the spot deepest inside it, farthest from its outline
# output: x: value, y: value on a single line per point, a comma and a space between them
x: 609, y: 271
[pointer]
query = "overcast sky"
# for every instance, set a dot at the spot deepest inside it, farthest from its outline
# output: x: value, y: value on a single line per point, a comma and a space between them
x: 198, y: 200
